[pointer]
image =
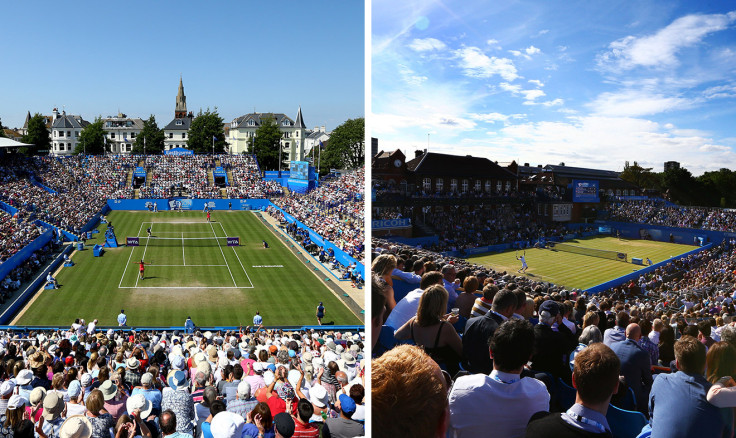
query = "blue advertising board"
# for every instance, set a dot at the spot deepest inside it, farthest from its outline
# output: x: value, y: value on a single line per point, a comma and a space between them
x: 585, y: 191
x: 139, y: 172
x: 179, y: 151
x: 391, y: 223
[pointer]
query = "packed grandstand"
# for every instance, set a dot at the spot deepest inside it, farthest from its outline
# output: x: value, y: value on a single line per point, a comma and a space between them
x: 84, y: 381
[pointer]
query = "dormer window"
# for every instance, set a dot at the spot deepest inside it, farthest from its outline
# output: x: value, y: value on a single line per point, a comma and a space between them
x: 286, y: 123
x: 251, y: 123
x: 178, y: 123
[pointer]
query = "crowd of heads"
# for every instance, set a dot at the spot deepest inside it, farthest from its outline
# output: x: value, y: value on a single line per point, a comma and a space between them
x: 186, y: 171
x: 658, y: 212
x: 25, y: 271
x: 334, y: 210
x: 671, y: 316
x: 153, y: 383
x: 246, y: 179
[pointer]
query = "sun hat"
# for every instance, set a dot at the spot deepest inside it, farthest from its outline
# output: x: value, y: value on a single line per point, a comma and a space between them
x: 16, y: 401
x: 132, y: 363
x: 178, y: 362
x: 348, y: 358
x: 177, y: 380
x: 318, y: 396
x: 76, y: 426
x: 53, y: 405
x: 147, y: 379
x: 74, y: 389
x: 86, y: 380
x: 109, y: 390
x: 37, y: 359
x: 227, y: 425
x: 139, y: 401
x: 24, y: 377
x: 37, y: 395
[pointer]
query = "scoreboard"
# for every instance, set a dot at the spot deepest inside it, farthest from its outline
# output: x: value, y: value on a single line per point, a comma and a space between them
x: 585, y: 191
x: 299, y: 170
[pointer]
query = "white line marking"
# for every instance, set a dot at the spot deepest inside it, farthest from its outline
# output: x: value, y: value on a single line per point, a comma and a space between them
x: 129, y: 257
x: 223, y: 256
x: 142, y: 258
x: 182, y: 249
x: 236, y: 255
x: 187, y: 287
x: 181, y: 266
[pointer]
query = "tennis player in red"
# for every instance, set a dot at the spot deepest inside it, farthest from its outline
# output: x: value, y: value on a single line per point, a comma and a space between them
x: 208, y: 215
x: 141, y: 269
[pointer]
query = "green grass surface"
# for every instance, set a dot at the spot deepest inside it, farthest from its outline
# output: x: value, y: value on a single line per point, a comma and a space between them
x: 214, y: 284
x: 581, y: 271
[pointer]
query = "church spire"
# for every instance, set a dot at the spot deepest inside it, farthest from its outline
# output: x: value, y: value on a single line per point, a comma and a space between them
x: 299, y: 120
x: 181, y: 101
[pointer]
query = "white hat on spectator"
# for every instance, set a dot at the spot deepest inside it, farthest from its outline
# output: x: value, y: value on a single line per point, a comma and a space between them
x: 76, y: 426
x: 318, y: 396
x: 339, y: 349
x: 227, y: 425
x: 37, y: 395
x: 348, y: 358
x: 86, y: 380
x: 24, y: 377
x: 178, y: 362
x: 268, y: 377
x: 16, y: 401
x: 139, y: 401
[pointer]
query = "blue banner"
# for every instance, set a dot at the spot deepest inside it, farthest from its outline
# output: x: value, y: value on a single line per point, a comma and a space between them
x: 179, y: 151
x: 219, y: 172
x: 585, y: 191
x: 391, y: 223
x: 9, y: 208
x: 193, y: 204
x: 139, y: 172
x: 21, y: 256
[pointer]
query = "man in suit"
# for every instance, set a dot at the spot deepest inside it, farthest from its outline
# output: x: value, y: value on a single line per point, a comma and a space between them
x: 636, y: 366
x: 479, y: 330
x: 618, y: 333
x: 551, y: 347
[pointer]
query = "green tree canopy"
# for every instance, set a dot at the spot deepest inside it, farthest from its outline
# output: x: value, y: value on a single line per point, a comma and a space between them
x: 204, y: 127
x: 152, y: 136
x: 92, y: 140
x: 37, y: 135
x: 346, y: 147
x: 265, y: 145
x: 2, y: 132
x: 643, y: 177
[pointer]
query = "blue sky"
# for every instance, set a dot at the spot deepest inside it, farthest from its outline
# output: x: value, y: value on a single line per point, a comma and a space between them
x: 587, y: 83
x: 95, y: 58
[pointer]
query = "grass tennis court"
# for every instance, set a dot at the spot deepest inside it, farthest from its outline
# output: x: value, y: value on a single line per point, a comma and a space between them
x: 190, y: 271
x: 582, y: 271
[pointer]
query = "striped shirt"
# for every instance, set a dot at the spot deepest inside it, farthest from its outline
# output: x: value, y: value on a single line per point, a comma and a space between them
x: 480, y: 307
x: 305, y: 430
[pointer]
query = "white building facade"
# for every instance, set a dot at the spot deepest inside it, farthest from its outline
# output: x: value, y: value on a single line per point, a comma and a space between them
x: 65, y: 132
x: 121, y: 132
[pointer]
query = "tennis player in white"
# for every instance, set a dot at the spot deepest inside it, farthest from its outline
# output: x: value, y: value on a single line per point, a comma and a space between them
x: 524, y: 266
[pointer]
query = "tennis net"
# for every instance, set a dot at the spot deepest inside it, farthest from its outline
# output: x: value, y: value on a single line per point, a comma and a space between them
x: 178, y: 242
x: 602, y: 253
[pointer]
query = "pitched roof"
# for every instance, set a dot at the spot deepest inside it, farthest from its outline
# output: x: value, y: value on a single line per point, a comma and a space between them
x: 65, y: 121
x: 581, y: 172
x: 186, y: 122
x: 432, y: 163
x: 242, y: 121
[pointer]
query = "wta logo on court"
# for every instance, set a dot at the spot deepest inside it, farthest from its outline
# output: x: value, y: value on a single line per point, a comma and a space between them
x: 233, y: 241
x: 132, y: 241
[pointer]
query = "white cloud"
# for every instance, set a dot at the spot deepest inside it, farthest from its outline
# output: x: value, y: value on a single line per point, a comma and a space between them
x: 515, y: 52
x: 477, y: 64
x: 493, y: 44
x: 491, y: 117
x: 410, y: 77
x: 531, y: 50
x: 547, y: 103
x: 533, y: 94
x: 542, y: 32
x: 660, y: 49
x: 636, y: 103
x: 536, y: 82
x: 426, y: 45
x: 720, y: 91
x: 513, y: 88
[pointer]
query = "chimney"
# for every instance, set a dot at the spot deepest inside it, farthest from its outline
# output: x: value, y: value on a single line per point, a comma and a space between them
x: 562, y: 164
x: 418, y: 154
x: 539, y: 166
x: 526, y: 164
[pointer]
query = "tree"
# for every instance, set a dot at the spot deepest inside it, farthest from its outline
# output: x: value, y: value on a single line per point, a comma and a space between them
x: 265, y: 145
x: 641, y: 176
x: 2, y: 129
x: 37, y: 135
x: 204, y: 127
x: 346, y: 147
x: 681, y: 186
x: 152, y: 136
x: 92, y: 139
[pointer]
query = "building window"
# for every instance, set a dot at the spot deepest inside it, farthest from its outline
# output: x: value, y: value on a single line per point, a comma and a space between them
x: 488, y: 186
x: 499, y: 186
x: 440, y: 184
x: 427, y: 184
x: 76, y: 134
x: 465, y: 186
x: 508, y: 186
x: 68, y: 133
x: 171, y: 135
x: 251, y: 123
x: 183, y: 135
x: 61, y: 133
x: 477, y: 185
x: 178, y: 122
x: 453, y: 185
x: 61, y: 146
x: 132, y: 135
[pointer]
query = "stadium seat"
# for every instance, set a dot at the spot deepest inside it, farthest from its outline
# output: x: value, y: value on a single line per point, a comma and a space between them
x: 627, y: 401
x: 658, y: 370
x: 401, y: 288
x: 387, y: 341
x: 49, y: 286
x: 565, y: 395
x: 625, y: 424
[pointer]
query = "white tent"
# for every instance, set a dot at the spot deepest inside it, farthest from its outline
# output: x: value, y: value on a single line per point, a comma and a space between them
x: 8, y: 143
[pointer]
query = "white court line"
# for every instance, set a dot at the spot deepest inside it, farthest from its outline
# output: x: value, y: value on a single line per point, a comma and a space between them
x: 187, y: 287
x: 142, y: 258
x: 181, y: 266
x: 129, y: 257
x: 236, y: 255
x: 182, y: 249
x: 223, y: 256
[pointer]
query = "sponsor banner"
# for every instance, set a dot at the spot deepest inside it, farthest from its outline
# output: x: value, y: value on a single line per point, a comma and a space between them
x: 391, y: 223
x: 267, y: 266
x: 132, y: 241
x: 233, y: 241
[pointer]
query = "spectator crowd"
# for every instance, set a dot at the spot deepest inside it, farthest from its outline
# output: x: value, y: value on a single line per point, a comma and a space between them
x: 86, y: 382
x: 521, y: 357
